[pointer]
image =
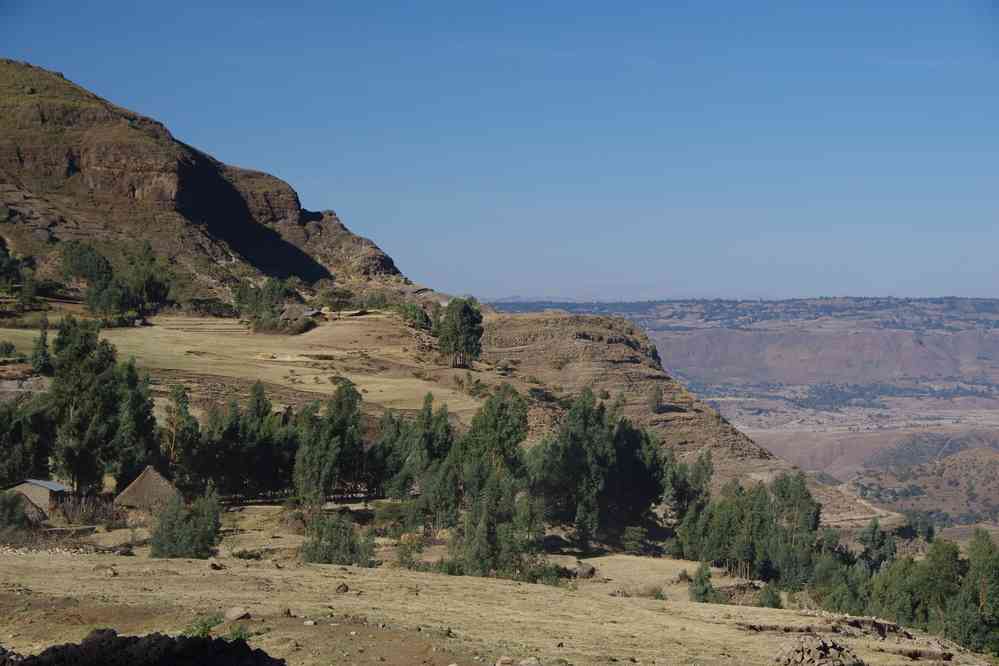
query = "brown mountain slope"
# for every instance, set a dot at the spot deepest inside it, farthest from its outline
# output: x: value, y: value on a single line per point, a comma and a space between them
x: 961, y: 488
x: 567, y: 353
x: 73, y: 166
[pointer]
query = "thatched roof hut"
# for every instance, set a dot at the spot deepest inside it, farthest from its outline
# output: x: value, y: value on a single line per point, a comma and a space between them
x: 149, y: 492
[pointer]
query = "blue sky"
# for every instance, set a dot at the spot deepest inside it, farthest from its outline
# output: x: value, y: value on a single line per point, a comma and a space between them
x: 583, y: 149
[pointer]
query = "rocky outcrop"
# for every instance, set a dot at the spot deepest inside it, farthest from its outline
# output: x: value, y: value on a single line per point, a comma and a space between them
x: 73, y: 165
x: 818, y: 651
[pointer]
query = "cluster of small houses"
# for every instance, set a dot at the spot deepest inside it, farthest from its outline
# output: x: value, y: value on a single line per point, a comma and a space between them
x: 43, y: 500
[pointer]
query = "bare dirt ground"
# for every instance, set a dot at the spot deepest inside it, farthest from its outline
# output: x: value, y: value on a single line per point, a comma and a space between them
x: 395, y: 616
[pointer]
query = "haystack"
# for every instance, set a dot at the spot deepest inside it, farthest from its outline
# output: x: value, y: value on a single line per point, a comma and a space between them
x: 148, y: 493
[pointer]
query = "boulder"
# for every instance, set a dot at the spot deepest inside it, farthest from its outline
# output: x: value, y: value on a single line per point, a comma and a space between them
x: 585, y: 570
x: 237, y: 613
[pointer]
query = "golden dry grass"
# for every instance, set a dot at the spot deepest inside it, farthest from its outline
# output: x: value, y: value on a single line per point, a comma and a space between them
x: 376, y: 352
x: 490, y: 617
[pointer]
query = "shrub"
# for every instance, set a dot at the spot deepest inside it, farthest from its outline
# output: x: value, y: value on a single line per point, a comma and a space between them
x: 12, y: 515
x: 238, y: 632
x: 635, y: 540
x: 41, y: 359
x: 332, y: 540
x: 7, y: 349
x: 187, y: 532
x: 201, y: 627
x: 655, y: 399
x: 701, y: 589
x: 770, y: 597
x: 406, y: 552
x: 414, y: 316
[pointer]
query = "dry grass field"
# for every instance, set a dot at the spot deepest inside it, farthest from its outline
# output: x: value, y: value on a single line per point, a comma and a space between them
x: 220, y: 358
x: 390, y: 615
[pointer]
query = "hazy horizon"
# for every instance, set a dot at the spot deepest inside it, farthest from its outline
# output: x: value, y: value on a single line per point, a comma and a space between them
x: 724, y: 150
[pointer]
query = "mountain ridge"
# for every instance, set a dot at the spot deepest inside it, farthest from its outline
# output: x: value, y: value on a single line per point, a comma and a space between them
x: 74, y: 165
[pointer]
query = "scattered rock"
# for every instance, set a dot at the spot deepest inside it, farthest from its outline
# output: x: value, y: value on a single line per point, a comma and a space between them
x: 817, y: 651
x: 106, y: 569
x: 287, y: 613
x: 342, y: 588
x: 215, y: 565
x: 504, y: 661
x: 237, y: 613
x: 309, y: 623
x: 530, y: 661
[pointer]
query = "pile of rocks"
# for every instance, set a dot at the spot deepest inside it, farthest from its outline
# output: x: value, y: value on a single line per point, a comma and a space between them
x: 818, y: 652
x: 106, y: 648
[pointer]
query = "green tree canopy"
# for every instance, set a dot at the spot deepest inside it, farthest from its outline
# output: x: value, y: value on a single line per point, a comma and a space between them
x: 460, y: 332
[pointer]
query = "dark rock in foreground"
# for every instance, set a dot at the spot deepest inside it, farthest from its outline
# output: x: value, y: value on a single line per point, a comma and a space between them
x: 104, y: 647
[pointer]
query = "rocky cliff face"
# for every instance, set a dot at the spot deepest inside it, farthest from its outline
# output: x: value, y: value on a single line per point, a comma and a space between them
x: 73, y: 165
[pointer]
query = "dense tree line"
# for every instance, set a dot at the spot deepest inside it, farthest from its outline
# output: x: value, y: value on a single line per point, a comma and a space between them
x: 96, y: 418
x: 263, y: 304
x: 140, y: 286
x: 772, y: 533
x: 597, y: 474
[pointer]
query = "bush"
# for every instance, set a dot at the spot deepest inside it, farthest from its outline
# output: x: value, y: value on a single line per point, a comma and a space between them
x: 406, y: 552
x: 701, y: 589
x: 238, y: 632
x: 635, y: 540
x: 201, y: 627
x: 187, y: 532
x: 414, y: 316
x: 332, y: 540
x: 12, y: 515
x: 7, y: 349
x: 41, y: 359
x: 770, y: 597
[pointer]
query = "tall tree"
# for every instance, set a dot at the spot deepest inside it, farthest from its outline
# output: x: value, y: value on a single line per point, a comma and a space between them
x: 135, y: 442
x: 181, y: 442
x: 84, y: 400
x: 330, y: 450
x: 461, y: 332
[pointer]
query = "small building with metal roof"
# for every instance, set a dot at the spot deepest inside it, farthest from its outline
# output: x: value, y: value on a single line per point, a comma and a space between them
x: 42, y: 493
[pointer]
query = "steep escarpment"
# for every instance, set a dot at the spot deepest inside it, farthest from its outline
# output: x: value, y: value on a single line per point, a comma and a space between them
x: 565, y: 354
x: 614, y: 358
x: 75, y: 166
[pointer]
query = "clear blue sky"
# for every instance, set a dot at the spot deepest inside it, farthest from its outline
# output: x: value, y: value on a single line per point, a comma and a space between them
x: 585, y: 149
